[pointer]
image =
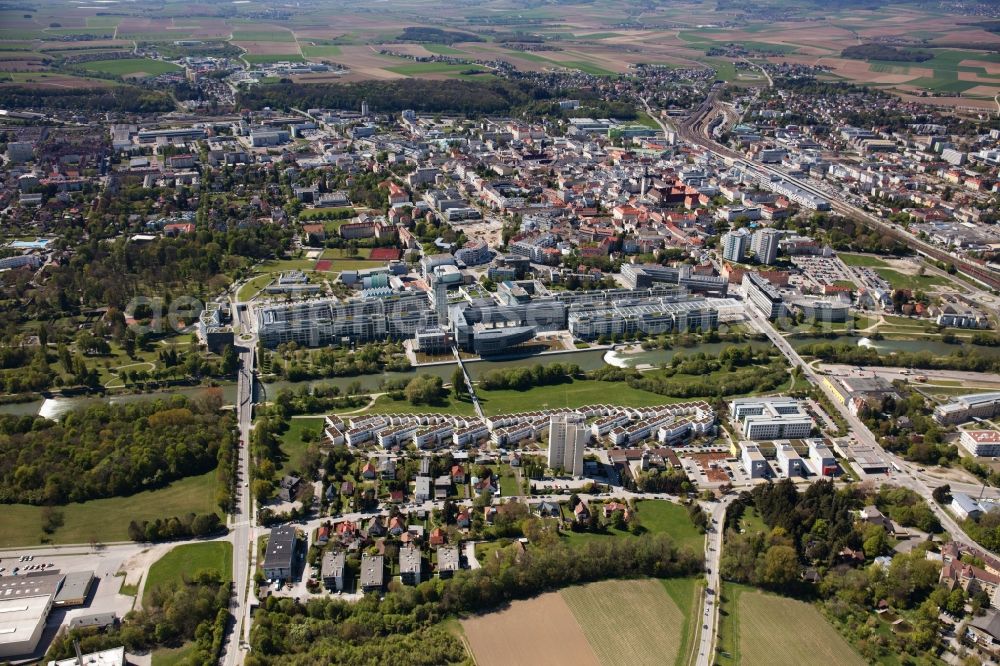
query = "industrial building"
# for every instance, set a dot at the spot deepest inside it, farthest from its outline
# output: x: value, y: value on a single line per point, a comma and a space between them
x: 279, y: 558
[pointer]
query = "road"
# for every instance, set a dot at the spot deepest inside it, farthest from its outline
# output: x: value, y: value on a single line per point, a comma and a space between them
x: 713, y: 555
x: 907, y: 374
x: 909, y: 477
x: 242, y: 519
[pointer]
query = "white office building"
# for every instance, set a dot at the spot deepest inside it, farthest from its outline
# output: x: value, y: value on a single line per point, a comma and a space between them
x: 771, y: 418
x: 821, y: 458
x: 764, y: 295
x: 789, y: 461
x: 568, y: 435
x: 753, y: 461
x: 981, y: 442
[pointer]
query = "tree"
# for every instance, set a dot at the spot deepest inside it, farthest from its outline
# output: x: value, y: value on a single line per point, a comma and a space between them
x: 458, y: 383
x: 424, y: 390
x: 942, y: 494
x: 779, y: 567
x: 230, y: 361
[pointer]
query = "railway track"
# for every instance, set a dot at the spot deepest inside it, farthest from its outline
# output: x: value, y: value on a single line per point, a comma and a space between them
x: 696, y: 128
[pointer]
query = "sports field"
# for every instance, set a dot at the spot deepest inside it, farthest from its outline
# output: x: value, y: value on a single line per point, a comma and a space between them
x: 612, y: 623
x: 778, y: 631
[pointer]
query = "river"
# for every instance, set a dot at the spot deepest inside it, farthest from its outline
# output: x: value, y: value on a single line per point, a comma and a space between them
x: 587, y: 359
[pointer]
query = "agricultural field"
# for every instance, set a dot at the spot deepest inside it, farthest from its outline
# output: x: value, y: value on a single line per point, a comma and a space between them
x: 762, y: 628
x: 964, y: 70
x: 132, y: 67
x: 609, y: 623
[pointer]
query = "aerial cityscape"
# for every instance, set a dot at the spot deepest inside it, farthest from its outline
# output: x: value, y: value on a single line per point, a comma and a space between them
x: 507, y: 332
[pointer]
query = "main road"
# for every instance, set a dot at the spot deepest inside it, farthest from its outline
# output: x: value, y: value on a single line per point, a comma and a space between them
x: 241, y: 521
x: 713, y: 556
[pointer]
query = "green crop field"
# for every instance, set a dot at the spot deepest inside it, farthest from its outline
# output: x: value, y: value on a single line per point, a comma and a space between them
x: 628, y: 622
x: 263, y: 36
x: 779, y: 631
x: 105, y: 520
x: 587, y: 67
x: 418, y: 68
x: 441, y: 49
x: 188, y: 559
x: 269, y: 58
x: 131, y: 66
x: 324, y: 51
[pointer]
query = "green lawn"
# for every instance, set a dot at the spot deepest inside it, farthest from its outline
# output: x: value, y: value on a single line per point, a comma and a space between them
x: 899, y: 280
x: 107, y: 520
x: 656, y: 516
x: 385, y: 405
x: 686, y: 593
x: 752, y: 522
x: 291, y: 441
x: 572, y: 394
x: 171, y: 656
x: 863, y: 260
x: 251, y: 287
x: 188, y: 559
x: 132, y: 66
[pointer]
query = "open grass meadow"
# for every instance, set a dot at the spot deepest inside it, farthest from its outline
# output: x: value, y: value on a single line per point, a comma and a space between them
x: 106, y: 520
x: 656, y: 516
x: 292, y: 446
x: 899, y: 280
x: 188, y: 559
x: 862, y: 260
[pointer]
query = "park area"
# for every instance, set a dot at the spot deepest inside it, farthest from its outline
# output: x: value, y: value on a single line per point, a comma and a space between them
x: 610, y: 623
